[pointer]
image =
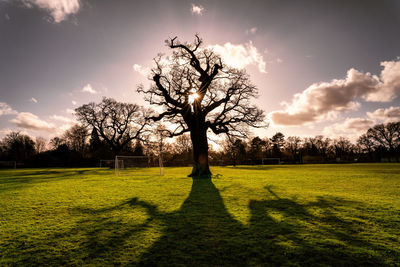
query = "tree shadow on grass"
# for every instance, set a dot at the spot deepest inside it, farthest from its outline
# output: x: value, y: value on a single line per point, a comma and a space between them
x: 281, y: 231
x: 203, y: 233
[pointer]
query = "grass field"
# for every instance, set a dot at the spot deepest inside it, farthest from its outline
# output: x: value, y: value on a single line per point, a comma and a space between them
x: 248, y: 215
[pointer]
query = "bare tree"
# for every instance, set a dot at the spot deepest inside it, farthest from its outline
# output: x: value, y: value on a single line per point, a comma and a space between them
x: 117, y: 123
x: 342, y: 147
x: 182, y: 144
x: 366, y: 144
x: 55, y: 142
x: 293, y: 145
x: 76, y: 137
x: 40, y: 144
x: 198, y: 92
x: 322, y: 145
x: 385, y: 135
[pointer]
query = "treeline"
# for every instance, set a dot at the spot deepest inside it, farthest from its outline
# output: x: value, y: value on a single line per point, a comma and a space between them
x: 380, y: 143
x: 79, y: 147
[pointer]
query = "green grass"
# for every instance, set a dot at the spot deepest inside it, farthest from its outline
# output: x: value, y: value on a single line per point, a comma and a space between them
x: 248, y: 215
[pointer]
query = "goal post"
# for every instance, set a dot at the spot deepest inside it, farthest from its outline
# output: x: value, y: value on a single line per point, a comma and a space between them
x: 138, y: 165
x: 270, y: 161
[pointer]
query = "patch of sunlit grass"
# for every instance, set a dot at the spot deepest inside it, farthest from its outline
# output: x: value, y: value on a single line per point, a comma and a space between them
x: 247, y: 215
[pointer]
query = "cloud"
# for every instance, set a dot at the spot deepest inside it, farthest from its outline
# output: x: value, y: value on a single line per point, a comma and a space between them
x: 59, y: 9
x: 198, y: 10
x: 327, y: 99
x: 7, y: 17
x: 89, y: 89
x: 74, y: 102
x: 389, y: 84
x: 252, y: 30
x: 62, y: 119
x: 141, y: 70
x: 5, y: 109
x: 241, y: 55
x: 27, y: 120
x: 386, y: 115
x: 70, y: 111
x: 351, y: 128
x: 66, y: 122
x: 34, y: 100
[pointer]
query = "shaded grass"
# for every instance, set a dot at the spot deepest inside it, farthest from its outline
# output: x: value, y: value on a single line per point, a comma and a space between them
x: 248, y: 215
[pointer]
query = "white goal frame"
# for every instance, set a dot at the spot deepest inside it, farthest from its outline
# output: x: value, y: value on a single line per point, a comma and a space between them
x: 120, y: 162
x: 13, y: 164
x: 279, y: 160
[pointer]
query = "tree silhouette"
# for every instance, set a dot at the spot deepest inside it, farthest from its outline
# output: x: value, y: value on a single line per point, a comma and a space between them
x: 199, y: 93
x: 115, y: 122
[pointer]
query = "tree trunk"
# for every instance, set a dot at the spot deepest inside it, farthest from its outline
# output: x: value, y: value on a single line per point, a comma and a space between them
x: 198, y: 135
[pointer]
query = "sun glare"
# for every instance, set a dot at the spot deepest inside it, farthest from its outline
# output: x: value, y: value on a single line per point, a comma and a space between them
x: 193, y: 97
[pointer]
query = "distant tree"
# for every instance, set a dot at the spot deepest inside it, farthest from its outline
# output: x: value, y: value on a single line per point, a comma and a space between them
x: 256, y: 149
x: 55, y: 142
x: 366, y: 143
x: 385, y: 135
x: 19, y: 147
x: 292, y: 145
x: 235, y: 149
x: 342, y: 147
x: 76, y: 138
x: 138, y: 149
x: 278, y: 142
x: 40, y: 144
x: 183, y: 144
x: 115, y: 122
x: 322, y: 145
x: 199, y: 93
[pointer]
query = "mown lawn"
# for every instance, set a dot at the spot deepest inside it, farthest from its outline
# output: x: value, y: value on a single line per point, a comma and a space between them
x: 248, y: 215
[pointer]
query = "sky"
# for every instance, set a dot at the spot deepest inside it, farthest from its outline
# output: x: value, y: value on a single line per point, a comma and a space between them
x: 322, y: 67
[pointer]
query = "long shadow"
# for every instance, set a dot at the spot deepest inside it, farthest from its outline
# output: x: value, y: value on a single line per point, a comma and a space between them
x: 203, y: 233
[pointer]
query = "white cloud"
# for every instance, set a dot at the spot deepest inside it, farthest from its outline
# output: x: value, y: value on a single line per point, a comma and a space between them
x: 27, y: 120
x: 389, y: 82
x: 74, y: 102
x: 198, y: 10
x: 33, y: 100
x: 325, y: 100
x: 241, y: 55
x: 66, y: 122
x: 141, y: 70
x: 70, y: 111
x: 5, y: 109
x: 59, y: 9
x: 386, y: 115
x: 351, y: 128
x: 62, y: 119
x: 89, y: 89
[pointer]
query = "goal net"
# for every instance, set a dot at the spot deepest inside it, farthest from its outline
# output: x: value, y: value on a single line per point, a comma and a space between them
x: 138, y: 165
x: 271, y: 161
x: 8, y: 164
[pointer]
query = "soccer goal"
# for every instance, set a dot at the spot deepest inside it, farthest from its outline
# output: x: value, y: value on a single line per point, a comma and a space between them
x: 8, y: 164
x: 138, y: 165
x: 271, y: 161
